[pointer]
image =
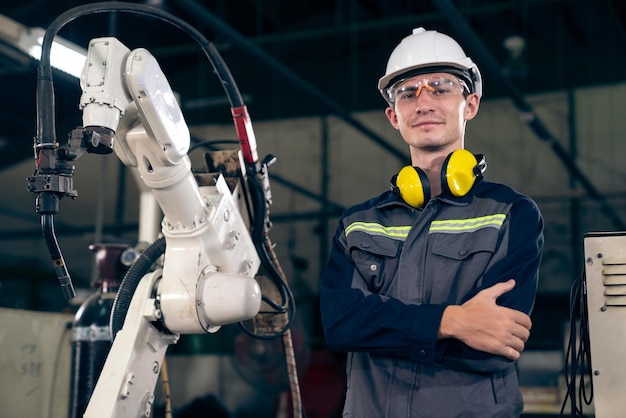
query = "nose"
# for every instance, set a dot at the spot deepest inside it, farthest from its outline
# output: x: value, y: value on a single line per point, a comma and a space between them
x: 423, y: 102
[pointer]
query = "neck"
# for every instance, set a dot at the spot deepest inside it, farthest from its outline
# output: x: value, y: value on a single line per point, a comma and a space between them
x: 431, y: 163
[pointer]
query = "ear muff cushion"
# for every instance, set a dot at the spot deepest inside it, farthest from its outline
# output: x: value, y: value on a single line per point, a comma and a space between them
x: 412, y: 184
x: 458, y: 173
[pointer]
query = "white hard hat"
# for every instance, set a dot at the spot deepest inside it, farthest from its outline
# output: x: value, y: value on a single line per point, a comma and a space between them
x: 426, y: 51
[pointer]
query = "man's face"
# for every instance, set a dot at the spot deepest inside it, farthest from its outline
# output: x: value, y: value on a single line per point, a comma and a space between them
x: 430, y: 111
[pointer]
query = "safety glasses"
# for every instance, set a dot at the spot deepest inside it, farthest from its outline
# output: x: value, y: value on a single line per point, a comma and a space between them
x: 407, y: 91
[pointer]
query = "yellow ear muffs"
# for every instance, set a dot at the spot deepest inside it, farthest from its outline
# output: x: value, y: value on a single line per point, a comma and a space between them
x: 459, y: 172
x: 458, y: 175
x: 412, y: 185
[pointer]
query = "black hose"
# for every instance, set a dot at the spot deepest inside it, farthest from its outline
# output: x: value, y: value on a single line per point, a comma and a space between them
x: 47, y: 227
x: 268, y: 260
x: 130, y: 282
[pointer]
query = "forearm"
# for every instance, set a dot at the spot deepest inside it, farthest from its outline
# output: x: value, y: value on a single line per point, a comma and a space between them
x: 410, y: 332
x: 354, y: 321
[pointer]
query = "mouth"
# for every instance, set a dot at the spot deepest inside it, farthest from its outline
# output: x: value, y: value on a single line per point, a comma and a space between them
x: 427, y: 123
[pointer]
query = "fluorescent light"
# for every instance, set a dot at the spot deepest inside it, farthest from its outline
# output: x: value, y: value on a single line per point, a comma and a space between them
x: 64, y: 55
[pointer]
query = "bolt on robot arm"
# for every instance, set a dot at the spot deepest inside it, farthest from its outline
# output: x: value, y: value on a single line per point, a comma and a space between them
x: 207, y: 279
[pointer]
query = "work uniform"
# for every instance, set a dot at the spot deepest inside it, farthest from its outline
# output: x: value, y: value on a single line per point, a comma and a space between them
x: 393, y: 270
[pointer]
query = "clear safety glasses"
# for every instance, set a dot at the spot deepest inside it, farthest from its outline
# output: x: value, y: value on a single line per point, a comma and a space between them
x: 407, y: 91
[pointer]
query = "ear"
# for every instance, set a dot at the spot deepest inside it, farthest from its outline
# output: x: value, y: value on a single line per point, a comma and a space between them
x: 472, y: 103
x: 392, y: 116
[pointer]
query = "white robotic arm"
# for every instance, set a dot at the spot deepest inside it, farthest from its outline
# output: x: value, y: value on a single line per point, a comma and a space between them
x: 210, y: 260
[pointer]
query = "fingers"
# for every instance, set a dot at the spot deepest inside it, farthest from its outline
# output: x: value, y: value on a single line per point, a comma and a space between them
x: 522, y: 319
x: 512, y: 353
x: 499, y: 289
x: 515, y: 342
x: 521, y: 332
x: 510, y: 347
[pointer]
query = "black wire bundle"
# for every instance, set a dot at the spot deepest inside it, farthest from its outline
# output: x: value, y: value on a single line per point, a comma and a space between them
x: 265, y: 251
x: 578, y: 353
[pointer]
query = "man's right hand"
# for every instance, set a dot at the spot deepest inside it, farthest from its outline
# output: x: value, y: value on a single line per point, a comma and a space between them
x: 484, y: 325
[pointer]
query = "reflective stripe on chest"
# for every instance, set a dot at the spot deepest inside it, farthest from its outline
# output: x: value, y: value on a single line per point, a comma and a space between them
x: 457, y: 226
x: 372, y: 228
x: 448, y: 226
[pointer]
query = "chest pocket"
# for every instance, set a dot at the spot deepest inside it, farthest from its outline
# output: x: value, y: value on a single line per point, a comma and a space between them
x: 376, y: 259
x: 459, y: 262
x: 462, y: 246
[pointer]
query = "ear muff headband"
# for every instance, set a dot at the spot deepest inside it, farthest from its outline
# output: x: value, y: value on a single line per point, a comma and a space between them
x: 412, y: 185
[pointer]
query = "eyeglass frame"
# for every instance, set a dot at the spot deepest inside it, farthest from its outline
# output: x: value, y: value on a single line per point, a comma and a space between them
x: 425, y: 83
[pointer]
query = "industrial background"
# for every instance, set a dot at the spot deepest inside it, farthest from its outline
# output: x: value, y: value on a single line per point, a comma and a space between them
x: 551, y: 124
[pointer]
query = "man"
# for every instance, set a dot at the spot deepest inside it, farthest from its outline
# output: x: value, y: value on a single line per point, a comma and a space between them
x: 430, y: 297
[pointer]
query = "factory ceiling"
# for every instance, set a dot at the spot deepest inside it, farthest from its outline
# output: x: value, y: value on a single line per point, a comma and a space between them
x: 302, y: 58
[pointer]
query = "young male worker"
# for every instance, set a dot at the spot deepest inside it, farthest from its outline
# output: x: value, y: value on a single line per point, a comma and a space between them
x: 429, y: 286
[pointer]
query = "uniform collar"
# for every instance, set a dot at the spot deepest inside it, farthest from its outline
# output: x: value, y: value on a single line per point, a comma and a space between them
x: 390, y: 198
